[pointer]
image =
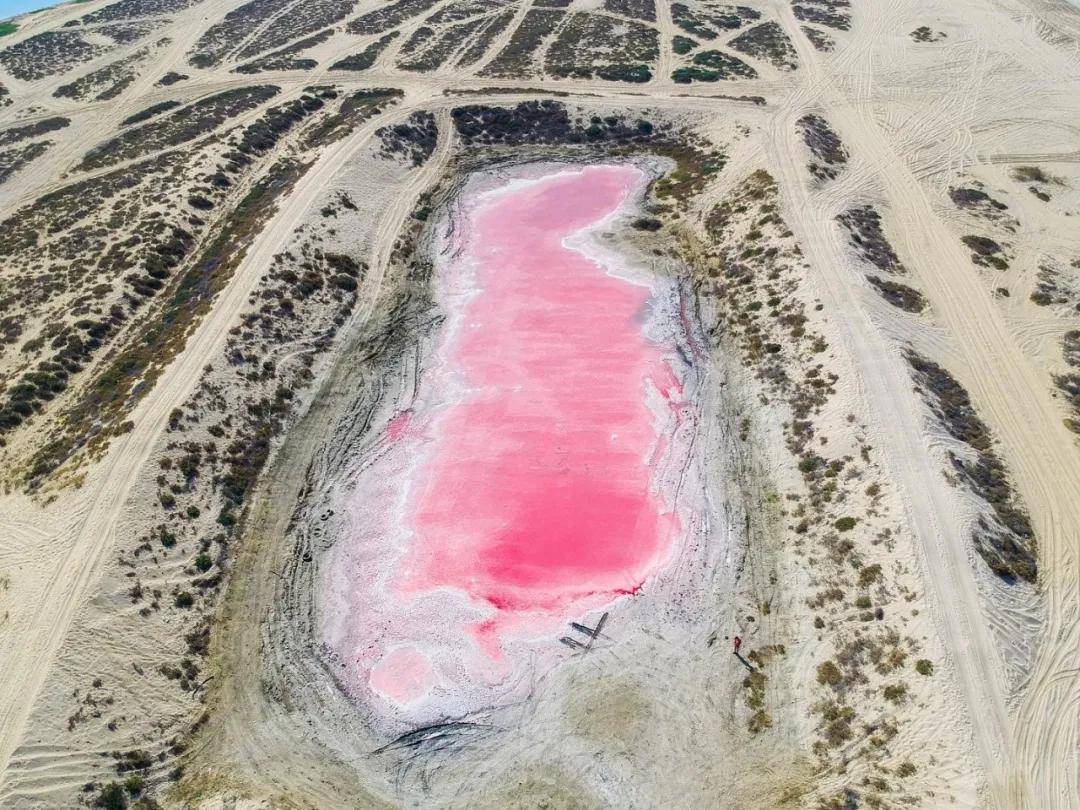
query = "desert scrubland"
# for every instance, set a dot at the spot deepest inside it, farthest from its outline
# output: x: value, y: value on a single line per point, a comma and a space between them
x: 407, y: 404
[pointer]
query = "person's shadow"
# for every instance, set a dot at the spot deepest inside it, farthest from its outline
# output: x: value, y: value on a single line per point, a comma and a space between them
x: 745, y: 663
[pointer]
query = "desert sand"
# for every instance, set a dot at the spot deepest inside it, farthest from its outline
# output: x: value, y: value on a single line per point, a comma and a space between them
x: 248, y: 543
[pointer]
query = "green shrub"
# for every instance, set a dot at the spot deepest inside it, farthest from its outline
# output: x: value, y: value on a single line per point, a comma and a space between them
x: 828, y: 674
x: 896, y: 693
x: 112, y: 797
x: 845, y: 524
x: 203, y: 562
x: 869, y: 575
x: 683, y: 45
x: 686, y: 75
x: 924, y: 666
x: 184, y: 600
x: 625, y: 73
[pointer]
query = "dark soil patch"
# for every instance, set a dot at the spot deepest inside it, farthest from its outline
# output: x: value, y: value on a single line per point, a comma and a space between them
x: 899, y: 295
x: 1005, y: 539
x: 863, y: 224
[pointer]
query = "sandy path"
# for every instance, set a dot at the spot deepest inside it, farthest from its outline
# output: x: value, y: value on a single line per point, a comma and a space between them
x: 1030, y: 759
x: 27, y: 663
x: 667, y: 29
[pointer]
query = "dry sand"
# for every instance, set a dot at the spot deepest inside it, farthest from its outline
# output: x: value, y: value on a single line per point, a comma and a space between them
x: 658, y: 717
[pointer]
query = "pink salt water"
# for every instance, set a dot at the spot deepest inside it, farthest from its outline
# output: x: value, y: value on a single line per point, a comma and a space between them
x: 529, y: 483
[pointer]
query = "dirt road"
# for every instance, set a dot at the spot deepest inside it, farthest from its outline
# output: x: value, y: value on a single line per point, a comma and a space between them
x: 78, y: 552
x: 1029, y: 755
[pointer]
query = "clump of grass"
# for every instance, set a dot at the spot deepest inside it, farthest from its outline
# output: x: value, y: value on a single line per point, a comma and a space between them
x: 895, y: 693
x: 836, y: 720
x: 828, y: 674
x: 985, y: 251
x: 111, y: 797
x: 683, y: 45
x: 869, y: 575
x: 1033, y: 174
x: 754, y: 684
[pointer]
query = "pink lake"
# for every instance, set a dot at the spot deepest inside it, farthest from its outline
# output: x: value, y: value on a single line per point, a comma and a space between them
x: 524, y: 486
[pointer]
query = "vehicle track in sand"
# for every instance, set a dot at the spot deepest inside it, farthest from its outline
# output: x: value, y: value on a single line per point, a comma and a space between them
x: 27, y: 664
x: 1030, y: 755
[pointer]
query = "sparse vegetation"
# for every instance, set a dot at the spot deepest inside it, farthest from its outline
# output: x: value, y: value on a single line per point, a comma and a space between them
x: 825, y: 145
x: 1004, y: 538
x: 179, y: 127
x: 899, y: 295
x: 591, y: 45
x: 287, y: 58
x: 830, y: 13
x: 517, y: 58
x: 366, y: 58
x: 769, y: 42
x: 819, y: 39
x: 986, y: 252
x: 708, y: 24
x: 863, y: 224
x: 414, y: 140
x: 711, y: 66
x: 35, y: 130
